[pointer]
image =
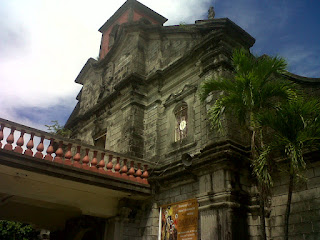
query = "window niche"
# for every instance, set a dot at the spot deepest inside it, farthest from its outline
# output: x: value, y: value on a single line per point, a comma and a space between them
x: 180, y: 118
x: 99, y: 134
x: 100, y: 140
x: 181, y: 122
x: 113, y: 35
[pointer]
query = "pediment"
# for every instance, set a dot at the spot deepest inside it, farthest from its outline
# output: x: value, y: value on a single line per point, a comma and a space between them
x: 180, y: 95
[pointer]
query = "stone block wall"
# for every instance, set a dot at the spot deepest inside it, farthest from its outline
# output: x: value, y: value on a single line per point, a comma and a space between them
x: 178, y: 193
x: 304, y: 222
x: 131, y: 231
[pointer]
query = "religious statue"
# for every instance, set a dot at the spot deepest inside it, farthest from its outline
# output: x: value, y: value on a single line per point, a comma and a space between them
x: 211, y: 13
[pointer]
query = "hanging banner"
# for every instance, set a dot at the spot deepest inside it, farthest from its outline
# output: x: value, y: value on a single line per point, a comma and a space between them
x: 179, y: 221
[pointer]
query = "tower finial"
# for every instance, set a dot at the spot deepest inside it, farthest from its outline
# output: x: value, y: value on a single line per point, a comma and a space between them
x: 211, y: 13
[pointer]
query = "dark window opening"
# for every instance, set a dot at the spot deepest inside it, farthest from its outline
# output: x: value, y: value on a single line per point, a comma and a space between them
x: 100, y: 141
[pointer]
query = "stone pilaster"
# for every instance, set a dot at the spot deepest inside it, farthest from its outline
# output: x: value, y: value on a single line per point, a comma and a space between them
x: 222, y: 208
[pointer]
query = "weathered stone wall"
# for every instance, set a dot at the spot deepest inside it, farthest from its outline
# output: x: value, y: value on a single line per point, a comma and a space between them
x: 181, y: 85
x: 123, y: 127
x: 304, y: 220
x: 162, y: 51
x: 90, y: 91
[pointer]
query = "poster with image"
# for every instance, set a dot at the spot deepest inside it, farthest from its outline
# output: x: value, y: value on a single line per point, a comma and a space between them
x: 179, y: 221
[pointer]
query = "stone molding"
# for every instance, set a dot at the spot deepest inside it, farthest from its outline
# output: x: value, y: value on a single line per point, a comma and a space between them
x: 179, y: 96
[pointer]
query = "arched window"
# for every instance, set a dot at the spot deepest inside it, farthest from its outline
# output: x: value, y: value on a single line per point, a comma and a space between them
x: 181, y: 128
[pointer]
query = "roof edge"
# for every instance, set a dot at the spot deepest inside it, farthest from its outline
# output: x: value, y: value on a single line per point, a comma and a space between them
x: 303, y: 79
x: 126, y: 6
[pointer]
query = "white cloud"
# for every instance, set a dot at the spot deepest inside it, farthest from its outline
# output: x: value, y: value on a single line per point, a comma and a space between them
x: 46, y: 43
x: 302, y: 60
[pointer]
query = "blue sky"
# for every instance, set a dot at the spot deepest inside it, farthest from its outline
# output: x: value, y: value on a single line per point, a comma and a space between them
x: 290, y: 29
x: 45, y: 43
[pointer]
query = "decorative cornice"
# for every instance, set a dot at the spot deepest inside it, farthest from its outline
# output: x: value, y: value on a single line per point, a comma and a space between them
x: 218, y: 153
x: 176, y: 97
x: 89, y: 64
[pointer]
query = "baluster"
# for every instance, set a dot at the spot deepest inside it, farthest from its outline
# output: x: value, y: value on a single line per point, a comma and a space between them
x: 30, y: 145
x: 68, y: 156
x: 145, y: 175
x: 139, y: 173
x: 40, y: 148
x: 86, y: 160
x: 49, y: 151
x: 76, y: 158
x: 124, y: 169
x: 20, y: 143
x: 10, y: 140
x: 102, y: 164
x: 1, y: 134
x: 110, y: 165
x: 131, y: 170
x: 117, y: 167
x: 94, y: 162
x: 59, y: 154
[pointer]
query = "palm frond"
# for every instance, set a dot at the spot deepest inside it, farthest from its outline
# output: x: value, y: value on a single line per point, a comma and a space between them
x: 267, y: 66
x: 242, y: 61
x: 211, y: 85
x: 261, y: 168
x: 296, y: 126
x: 215, y: 114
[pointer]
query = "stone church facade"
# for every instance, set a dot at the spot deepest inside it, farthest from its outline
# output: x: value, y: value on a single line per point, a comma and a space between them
x: 140, y: 98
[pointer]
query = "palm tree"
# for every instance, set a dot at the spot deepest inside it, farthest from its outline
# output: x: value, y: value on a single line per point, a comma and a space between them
x: 254, y: 86
x: 296, y: 126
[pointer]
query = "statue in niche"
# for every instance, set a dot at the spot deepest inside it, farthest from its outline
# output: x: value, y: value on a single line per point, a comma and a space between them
x: 211, y: 13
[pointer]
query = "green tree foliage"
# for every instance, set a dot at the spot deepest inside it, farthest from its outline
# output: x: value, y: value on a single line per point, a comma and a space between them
x: 10, y: 230
x: 56, y: 128
x: 296, y: 126
x: 252, y: 89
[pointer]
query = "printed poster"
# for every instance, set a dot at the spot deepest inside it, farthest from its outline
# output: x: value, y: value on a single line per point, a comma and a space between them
x: 179, y: 221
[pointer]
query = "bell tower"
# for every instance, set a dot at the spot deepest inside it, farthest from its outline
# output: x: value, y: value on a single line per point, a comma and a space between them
x: 131, y: 11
